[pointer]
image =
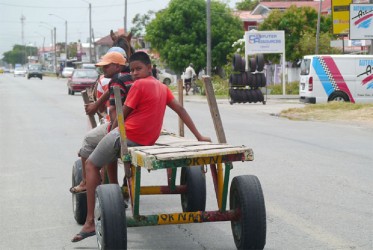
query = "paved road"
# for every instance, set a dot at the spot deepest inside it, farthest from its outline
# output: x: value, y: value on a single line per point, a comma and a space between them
x: 316, y: 176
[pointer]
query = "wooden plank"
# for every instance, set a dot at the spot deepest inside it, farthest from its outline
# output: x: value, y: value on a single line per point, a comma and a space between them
x: 155, y: 160
x: 211, y: 100
x: 122, y: 132
x: 181, y: 101
x: 91, y: 118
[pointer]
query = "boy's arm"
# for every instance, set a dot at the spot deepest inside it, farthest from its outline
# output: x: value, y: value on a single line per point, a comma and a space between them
x: 91, y: 108
x: 183, y: 114
x: 126, y: 111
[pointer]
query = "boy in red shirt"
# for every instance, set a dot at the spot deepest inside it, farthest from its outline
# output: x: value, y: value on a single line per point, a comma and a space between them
x: 143, y: 113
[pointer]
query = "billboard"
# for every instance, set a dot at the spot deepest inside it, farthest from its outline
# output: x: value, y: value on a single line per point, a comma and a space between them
x: 340, y: 16
x: 361, y: 21
x: 264, y: 42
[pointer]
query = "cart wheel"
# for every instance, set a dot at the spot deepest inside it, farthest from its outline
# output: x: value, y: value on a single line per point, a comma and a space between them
x: 246, y: 196
x: 195, y: 197
x: 79, y: 200
x: 110, y: 217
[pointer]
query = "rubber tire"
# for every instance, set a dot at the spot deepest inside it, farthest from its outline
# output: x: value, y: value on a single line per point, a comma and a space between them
x: 252, y: 65
x: 79, y: 200
x: 260, y: 80
x: 254, y: 95
x: 72, y: 92
x: 232, y: 95
x: 237, y: 80
x: 259, y: 62
x: 195, y: 198
x: 259, y: 95
x: 249, y: 96
x: 243, y: 65
x: 110, y: 217
x: 250, y: 79
x: 167, y: 81
x: 244, y: 79
x: 242, y: 96
x: 249, y: 231
x: 338, y: 96
x: 68, y: 91
x: 237, y: 63
x: 255, y: 81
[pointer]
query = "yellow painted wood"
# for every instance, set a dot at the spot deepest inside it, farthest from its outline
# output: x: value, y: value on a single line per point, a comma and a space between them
x: 220, y: 184
x: 179, y: 218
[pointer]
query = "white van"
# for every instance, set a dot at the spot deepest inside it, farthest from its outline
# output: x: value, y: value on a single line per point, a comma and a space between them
x: 325, y: 78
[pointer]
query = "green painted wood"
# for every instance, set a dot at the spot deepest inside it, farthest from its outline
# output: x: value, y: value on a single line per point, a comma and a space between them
x: 228, y: 167
x: 136, y: 203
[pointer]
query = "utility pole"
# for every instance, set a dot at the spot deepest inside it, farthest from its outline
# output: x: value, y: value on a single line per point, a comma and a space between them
x: 55, y: 50
x: 318, y: 29
x: 90, y: 32
x: 125, y: 17
x: 208, y: 40
x: 23, y: 18
x: 65, y: 33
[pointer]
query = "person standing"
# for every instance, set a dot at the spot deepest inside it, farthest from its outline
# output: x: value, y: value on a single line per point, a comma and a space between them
x: 188, y: 75
x: 155, y: 71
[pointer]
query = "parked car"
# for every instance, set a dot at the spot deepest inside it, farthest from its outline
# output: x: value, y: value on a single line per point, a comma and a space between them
x: 165, y: 77
x: 67, y: 72
x: 81, y: 80
x: 34, y: 70
x: 19, y: 71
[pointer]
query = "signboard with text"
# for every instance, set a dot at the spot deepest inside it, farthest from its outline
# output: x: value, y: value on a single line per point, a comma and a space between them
x: 340, y: 16
x: 361, y: 21
x: 264, y: 42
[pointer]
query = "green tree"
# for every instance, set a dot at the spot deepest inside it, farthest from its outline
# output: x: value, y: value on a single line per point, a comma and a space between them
x: 247, y: 4
x: 307, y: 44
x: 19, y: 54
x: 296, y: 22
x: 140, y: 22
x: 178, y: 33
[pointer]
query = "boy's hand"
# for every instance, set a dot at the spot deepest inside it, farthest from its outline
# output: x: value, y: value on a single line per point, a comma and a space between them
x: 90, y: 108
x: 204, y: 138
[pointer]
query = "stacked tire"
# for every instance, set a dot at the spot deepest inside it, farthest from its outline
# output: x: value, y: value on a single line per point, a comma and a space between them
x: 244, y: 86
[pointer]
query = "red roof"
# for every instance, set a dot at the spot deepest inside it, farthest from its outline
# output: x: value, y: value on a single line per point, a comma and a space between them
x: 326, y: 5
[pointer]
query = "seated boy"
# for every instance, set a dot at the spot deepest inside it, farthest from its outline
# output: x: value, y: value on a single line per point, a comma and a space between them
x: 115, y: 69
x: 143, y: 113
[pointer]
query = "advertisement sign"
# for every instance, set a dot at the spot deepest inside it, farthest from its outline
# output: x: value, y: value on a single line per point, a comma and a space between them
x: 340, y: 16
x: 361, y: 21
x: 264, y: 42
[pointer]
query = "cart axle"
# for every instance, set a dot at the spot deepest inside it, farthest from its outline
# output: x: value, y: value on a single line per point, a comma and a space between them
x: 182, y: 218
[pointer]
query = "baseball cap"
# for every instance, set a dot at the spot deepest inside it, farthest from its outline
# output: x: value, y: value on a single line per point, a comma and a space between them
x: 118, y: 49
x: 112, y: 57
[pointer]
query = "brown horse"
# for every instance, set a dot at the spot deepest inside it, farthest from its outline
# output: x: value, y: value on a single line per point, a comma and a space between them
x: 123, y: 41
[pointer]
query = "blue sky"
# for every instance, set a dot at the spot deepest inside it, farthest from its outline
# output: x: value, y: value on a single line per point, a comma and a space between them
x: 106, y: 15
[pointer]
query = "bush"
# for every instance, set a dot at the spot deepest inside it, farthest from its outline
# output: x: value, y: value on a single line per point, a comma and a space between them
x: 220, y: 86
x: 292, y: 88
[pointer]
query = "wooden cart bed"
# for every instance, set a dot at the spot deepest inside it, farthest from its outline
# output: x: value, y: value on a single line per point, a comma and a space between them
x: 171, y: 151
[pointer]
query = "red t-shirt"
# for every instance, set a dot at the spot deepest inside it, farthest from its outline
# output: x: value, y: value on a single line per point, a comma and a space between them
x: 148, y: 98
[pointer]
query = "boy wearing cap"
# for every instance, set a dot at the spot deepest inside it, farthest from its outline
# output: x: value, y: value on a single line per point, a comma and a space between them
x: 113, y: 63
x: 143, y: 112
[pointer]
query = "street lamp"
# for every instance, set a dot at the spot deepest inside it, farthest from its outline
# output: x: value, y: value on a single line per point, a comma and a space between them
x: 67, y: 55
x: 90, y: 30
x: 54, y: 44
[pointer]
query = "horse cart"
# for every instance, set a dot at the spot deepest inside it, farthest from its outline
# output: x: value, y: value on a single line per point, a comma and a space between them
x: 173, y: 153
